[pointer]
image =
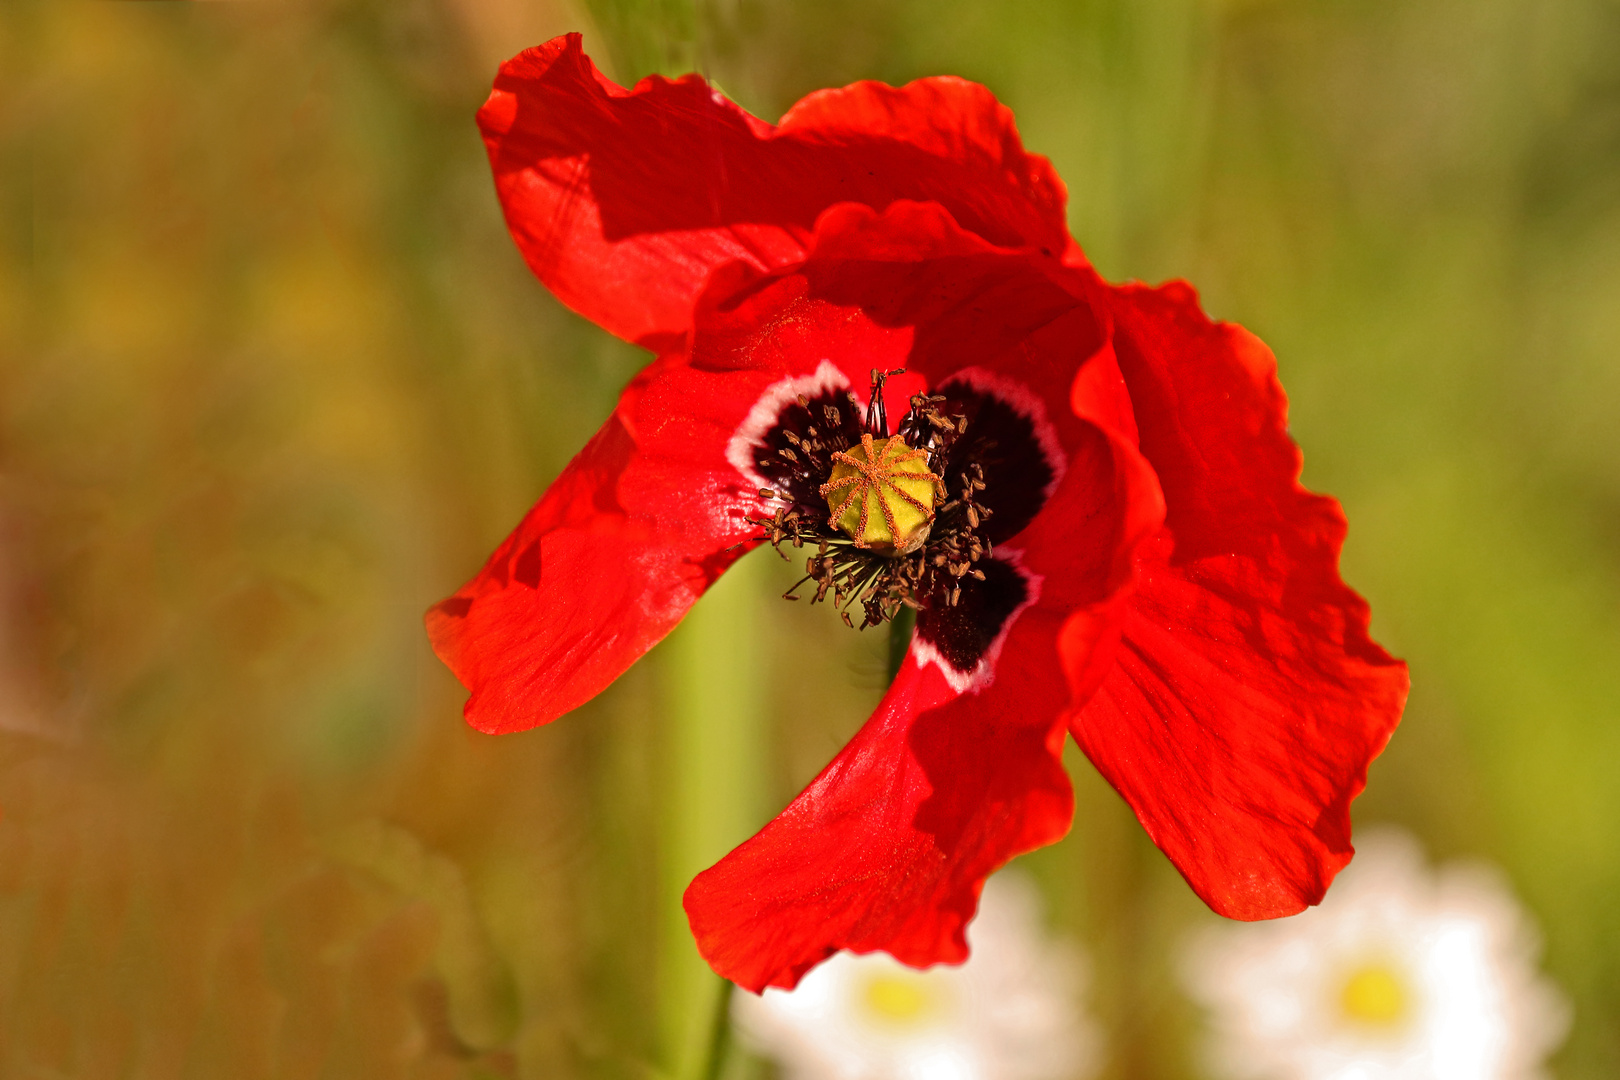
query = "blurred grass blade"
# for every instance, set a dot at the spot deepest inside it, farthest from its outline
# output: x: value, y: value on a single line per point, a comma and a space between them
x: 648, y: 36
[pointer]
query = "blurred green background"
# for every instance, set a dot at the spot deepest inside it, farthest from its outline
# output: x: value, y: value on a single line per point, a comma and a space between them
x: 273, y: 379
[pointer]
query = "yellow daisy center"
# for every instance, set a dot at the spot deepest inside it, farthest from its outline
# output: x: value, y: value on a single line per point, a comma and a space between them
x: 897, y: 1000
x: 1375, y: 995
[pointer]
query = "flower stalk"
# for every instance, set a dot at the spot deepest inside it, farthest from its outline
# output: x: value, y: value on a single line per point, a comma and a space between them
x: 715, y: 749
x: 900, y: 628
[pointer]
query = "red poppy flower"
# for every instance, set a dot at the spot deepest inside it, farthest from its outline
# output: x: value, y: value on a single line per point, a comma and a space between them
x: 879, y: 349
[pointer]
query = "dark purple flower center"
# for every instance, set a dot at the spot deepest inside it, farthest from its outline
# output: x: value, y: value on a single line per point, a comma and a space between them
x: 986, y: 446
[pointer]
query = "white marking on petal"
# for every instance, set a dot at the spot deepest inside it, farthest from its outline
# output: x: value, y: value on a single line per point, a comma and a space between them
x: 983, y: 673
x: 750, y: 434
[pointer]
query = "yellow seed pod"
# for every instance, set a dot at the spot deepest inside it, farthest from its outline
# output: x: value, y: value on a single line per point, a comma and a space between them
x: 881, y: 495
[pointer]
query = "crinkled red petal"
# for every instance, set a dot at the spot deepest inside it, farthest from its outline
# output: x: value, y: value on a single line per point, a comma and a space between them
x: 1247, y: 699
x: 648, y: 515
x: 625, y: 201
x: 889, y: 847
x: 624, y: 541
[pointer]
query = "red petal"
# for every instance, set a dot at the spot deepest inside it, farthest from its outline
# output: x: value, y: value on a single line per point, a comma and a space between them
x: 1017, y: 314
x: 940, y: 139
x: 623, y: 202
x: 1247, y: 699
x: 1021, y: 318
x: 625, y: 540
x: 889, y: 847
x: 645, y: 518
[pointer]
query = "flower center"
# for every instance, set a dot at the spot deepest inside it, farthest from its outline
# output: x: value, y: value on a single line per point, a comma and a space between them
x: 908, y: 516
x: 881, y: 494
x: 895, y: 533
x: 899, y: 1000
x: 1375, y: 996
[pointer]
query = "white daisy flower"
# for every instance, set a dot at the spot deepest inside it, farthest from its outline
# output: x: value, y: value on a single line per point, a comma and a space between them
x: 1010, y: 1012
x: 1401, y: 974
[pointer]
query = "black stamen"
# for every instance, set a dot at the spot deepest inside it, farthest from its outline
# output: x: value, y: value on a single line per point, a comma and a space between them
x: 877, y: 418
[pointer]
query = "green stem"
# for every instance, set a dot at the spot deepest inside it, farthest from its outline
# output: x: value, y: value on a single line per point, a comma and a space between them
x: 720, y: 1033
x: 900, y: 628
x: 715, y: 740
